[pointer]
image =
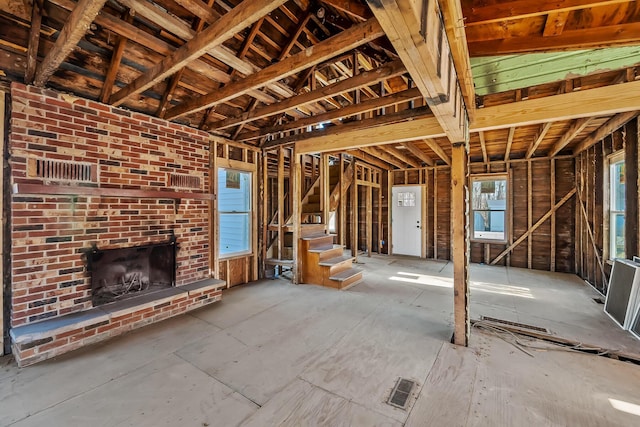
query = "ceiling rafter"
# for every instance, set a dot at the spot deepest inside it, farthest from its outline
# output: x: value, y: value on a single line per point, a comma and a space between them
x: 435, y: 147
x: 336, y: 45
x: 238, y: 18
x: 34, y: 41
x: 114, y: 64
x: 74, y: 29
x: 609, y: 127
x: 416, y: 151
x: 542, y: 132
x: 573, y: 131
x: 507, y: 152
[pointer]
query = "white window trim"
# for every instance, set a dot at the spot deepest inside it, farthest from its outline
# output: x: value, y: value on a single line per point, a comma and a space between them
x: 607, y: 188
x: 507, y: 211
x: 251, y: 208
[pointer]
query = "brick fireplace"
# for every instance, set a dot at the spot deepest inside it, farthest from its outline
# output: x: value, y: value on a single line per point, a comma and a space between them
x: 87, y: 175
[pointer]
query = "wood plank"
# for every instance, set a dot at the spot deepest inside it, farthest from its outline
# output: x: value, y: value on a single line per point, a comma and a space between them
x: 74, y: 29
x: 34, y: 41
x: 542, y: 132
x: 450, y: 384
x: 350, y: 7
x: 435, y: 147
x: 460, y: 243
x: 573, y: 131
x: 534, y: 227
x: 333, y: 46
x: 609, y: 127
x: 421, y: 42
x: 340, y: 113
x: 229, y: 24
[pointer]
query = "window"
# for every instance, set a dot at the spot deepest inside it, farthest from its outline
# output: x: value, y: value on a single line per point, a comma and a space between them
x: 234, y: 212
x: 616, y: 206
x: 488, y: 207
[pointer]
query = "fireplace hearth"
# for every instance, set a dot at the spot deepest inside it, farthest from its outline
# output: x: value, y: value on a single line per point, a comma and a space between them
x: 121, y: 273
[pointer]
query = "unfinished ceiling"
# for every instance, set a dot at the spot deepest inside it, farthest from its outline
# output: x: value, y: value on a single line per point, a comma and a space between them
x: 277, y: 72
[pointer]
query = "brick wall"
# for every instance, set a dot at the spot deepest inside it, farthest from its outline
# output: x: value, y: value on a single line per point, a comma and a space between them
x: 114, y: 148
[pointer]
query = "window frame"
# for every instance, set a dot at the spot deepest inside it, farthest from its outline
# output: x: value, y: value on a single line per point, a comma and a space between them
x: 507, y: 213
x: 609, y: 192
x: 250, y: 236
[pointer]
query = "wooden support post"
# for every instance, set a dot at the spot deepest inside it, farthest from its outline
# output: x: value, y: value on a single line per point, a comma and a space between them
x: 214, y: 265
x: 389, y: 210
x: 280, y: 194
x: 342, y: 217
x: 460, y: 215
x: 325, y: 190
x: 529, y: 213
x: 553, y: 216
x: 369, y: 219
x: 631, y: 189
x: 295, y: 188
x: 257, y: 198
x: 265, y: 194
x: 435, y: 214
x: 354, y: 212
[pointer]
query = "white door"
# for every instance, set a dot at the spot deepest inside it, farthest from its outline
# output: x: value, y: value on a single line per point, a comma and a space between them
x: 406, y: 215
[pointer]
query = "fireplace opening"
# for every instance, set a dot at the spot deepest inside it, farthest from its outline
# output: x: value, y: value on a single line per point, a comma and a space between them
x: 122, y: 273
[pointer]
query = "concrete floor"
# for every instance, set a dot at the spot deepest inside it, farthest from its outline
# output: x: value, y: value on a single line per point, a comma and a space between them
x: 272, y: 353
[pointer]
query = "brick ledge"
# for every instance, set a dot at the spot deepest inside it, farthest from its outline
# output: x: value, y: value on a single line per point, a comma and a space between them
x: 51, y: 337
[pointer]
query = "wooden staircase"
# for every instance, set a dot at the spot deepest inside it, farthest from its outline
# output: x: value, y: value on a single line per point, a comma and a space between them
x: 323, y: 262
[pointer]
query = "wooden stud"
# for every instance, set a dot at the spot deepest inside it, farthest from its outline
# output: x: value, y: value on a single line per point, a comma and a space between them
x: 295, y: 188
x: 369, y: 218
x: 354, y: 213
x: 342, y: 207
x: 213, y: 216
x: 512, y: 131
x: 435, y: 214
x: 265, y: 192
x: 534, y: 227
x: 280, y: 195
x: 483, y: 146
x: 631, y: 189
x: 460, y: 243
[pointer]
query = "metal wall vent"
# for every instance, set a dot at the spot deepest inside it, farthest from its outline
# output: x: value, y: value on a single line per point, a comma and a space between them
x: 60, y: 170
x: 184, y: 181
x: 400, y: 394
x: 516, y: 324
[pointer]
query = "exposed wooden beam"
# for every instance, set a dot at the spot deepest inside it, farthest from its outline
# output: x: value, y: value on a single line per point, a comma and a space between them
x: 609, y: 127
x: 74, y: 29
x: 460, y: 242
x: 507, y: 152
x: 435, y: 147
x: 366, y: 78
x: 224, y: 28
x: 402, y: 156
x: 555, y: 23
x: 350, y: 7
x: 519, y: 9
x: 535, y: 226
x: 589, y: 38
x: 333, y: 46
x: 416, y: 151
x: 34, y: 41
x: 248, y: 41
x: 454, y: 23
x: 114, y: 64
x: 384, y: 155
x: 573, y: 131
x: 350, y: 110
x: 544, y: 128
x: 365, y: 125
x: 376, y: 161
x: 294, y: 37
x: 420, y: 39
x: 584, y: 103
x: 483, y: 146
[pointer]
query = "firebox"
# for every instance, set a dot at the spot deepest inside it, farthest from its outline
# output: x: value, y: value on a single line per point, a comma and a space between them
x: 122, y: 273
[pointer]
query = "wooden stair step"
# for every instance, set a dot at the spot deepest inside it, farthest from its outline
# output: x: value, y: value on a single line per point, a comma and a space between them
x: 345, y: 275
x: 335, y: 261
